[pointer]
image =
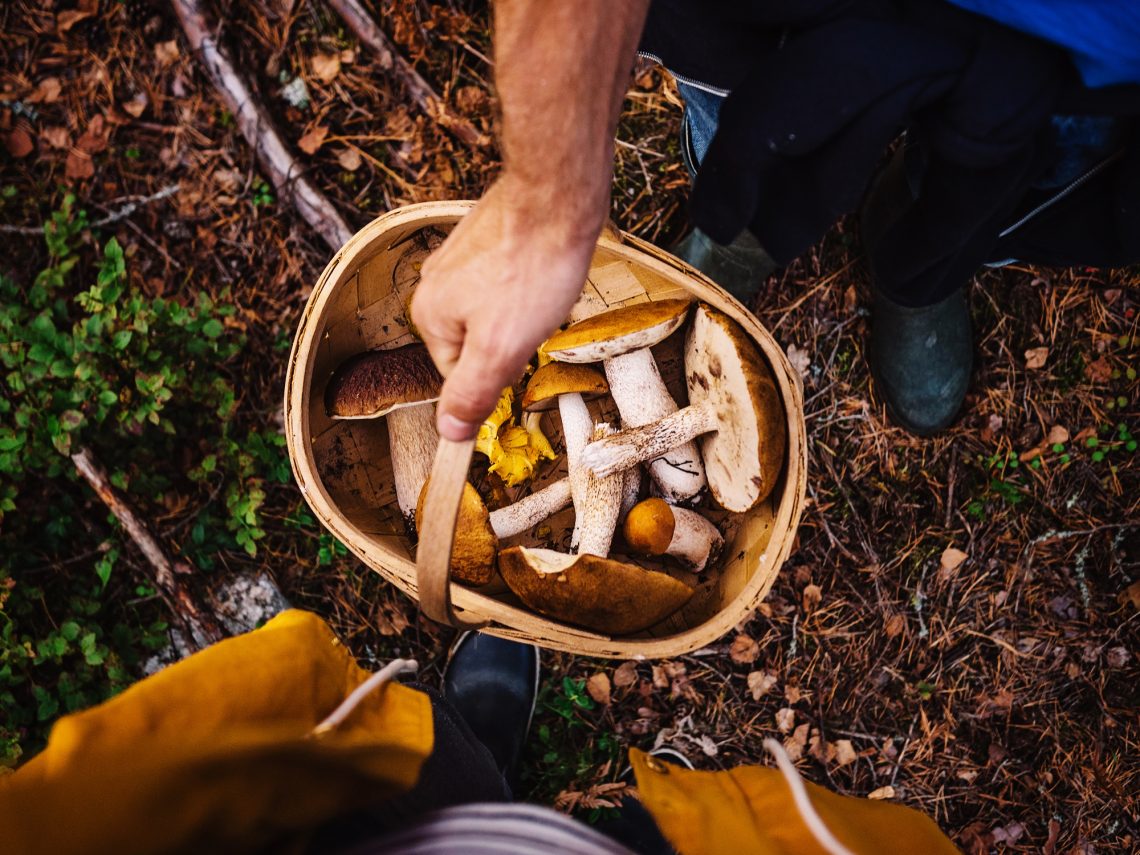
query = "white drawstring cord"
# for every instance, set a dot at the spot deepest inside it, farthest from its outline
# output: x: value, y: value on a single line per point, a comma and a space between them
x: 384, y: 675
x: 811, y: 819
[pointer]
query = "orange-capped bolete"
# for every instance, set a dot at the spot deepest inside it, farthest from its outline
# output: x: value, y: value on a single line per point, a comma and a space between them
x: 621, y: 339
x: 654, y: 527
x: 568, y: 387
x: 734, y: 408
x: 601, y: 594
x: 401, y: 384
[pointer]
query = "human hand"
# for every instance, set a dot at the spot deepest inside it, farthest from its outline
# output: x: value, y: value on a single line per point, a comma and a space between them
x: 503, y: 280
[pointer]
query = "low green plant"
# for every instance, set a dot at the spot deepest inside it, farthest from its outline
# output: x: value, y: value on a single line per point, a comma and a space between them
x: 88, y: 360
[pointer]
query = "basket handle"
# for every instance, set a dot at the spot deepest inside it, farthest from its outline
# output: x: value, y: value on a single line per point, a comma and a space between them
x: 441, y: 508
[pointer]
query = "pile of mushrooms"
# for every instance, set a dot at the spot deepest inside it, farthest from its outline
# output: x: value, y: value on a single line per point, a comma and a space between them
x: 726, y: 445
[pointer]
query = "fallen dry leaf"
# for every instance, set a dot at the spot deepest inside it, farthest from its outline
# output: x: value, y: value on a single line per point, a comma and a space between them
x: 94, y: 139
x: 845, y: 752
x: 1035, y: 357
x: 896, y: 623
x: 1099, y: 371
x: 19, y: 142
x: 313, y: 140
x: 625, y: 674
x: 1057, y: 434
x: 349, y: 159
x: 800, y: 359
x: 136, y: 105
x: 792, y: 694
x: 47, y: 91
x: 166, y: 52
x: 950, y: 561
x: 660, y: 678
x: 821, y: 749
x: 760, y: 682
x: 1008, y: 834
x: 744, y: 649
x: 812, y: 596
x: 79, y: 165
x: 598, y: 685
x: 785, y: 719
x: 57, y: 137
x: 887, y: 792
x: 67, y: 19
x: 797, y: 742
x: 326, y: 66
x: 1131, y: 594
x: 994, y: 423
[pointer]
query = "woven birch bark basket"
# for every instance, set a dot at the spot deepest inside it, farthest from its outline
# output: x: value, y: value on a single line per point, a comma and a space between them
x: 344, y: 471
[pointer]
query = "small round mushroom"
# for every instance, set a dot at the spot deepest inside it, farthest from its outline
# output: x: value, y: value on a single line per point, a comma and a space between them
x: 621, y: 339
x: 654, y: 527
x: 734, y: 408
x: 601, y: 594
x: 568, y: 387
x: 401, y: 384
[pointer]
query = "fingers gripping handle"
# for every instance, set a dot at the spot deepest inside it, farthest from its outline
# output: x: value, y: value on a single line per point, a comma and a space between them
x: 441, y: 508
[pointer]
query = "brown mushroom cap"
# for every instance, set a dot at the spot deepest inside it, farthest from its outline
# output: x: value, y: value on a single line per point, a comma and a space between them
x: 473, y: 550
x: 649, y: 527
x: 561, y: 378
x: 601, y: 594
x: 725, y: 372
x: 373, y: 384
x: 616, y: 332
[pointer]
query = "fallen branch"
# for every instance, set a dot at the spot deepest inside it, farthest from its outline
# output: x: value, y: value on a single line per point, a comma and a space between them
x: 257, y: 127
x: 202, y: 628
x: 122, y: 213
x: 370, y: 34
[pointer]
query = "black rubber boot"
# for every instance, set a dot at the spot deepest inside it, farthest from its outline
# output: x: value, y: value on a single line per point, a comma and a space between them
x: 493, y: 683
x: 739, y: 268
x: 921, y: 360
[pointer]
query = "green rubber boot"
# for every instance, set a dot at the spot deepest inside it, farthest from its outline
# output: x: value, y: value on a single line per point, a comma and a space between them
x: 739, y: 268
x: 921, y: 360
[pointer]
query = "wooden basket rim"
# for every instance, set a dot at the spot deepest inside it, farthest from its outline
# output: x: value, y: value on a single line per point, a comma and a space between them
x: 509, y: 621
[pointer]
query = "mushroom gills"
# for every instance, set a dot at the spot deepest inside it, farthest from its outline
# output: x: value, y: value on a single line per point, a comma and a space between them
x: 735, y: 409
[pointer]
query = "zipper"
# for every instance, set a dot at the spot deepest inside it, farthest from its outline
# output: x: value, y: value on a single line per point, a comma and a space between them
x: 1067, y: 190
x: 688, y: 81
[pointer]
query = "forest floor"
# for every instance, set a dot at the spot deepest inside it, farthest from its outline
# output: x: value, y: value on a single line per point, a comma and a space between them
x: 958, y: 626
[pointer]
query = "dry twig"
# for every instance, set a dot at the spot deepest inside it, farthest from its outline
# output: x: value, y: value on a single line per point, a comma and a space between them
x: 257, y: 127
x: 367, y: 30
x: 202, y: 628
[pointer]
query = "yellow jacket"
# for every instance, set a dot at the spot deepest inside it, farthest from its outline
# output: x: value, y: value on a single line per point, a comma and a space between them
x: 215, y: 754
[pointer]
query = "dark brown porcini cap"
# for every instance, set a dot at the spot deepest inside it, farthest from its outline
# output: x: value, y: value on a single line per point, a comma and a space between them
x: 371, y: 384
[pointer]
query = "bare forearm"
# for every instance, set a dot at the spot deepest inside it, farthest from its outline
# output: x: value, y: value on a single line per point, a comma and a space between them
x: 510, y: 271
x: 562, y: 69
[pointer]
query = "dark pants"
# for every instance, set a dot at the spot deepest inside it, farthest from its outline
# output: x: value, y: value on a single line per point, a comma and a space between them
x: 1062, y: 206
x: 460, y: 770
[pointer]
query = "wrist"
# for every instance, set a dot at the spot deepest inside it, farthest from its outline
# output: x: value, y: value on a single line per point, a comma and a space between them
x: 548, y: 207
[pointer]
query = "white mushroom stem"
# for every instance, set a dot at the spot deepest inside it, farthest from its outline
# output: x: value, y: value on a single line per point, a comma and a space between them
x: 642, y: 398
x: 630, y: 447
x: 602, y: 506
x: 531, y: 510
x: 412, y: 441
x: 695, y: 539
x: 631, y: 489
x: 577, y: 427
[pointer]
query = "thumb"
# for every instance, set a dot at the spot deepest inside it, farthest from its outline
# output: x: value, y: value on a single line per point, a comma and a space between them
x: 471, y: 391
